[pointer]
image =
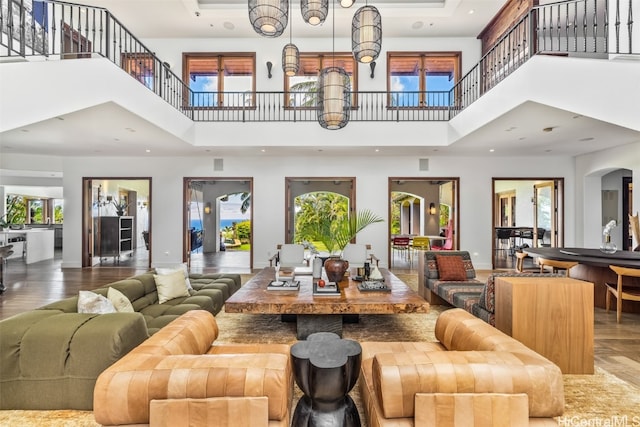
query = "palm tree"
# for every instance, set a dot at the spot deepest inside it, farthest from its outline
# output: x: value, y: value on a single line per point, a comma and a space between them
x: 306, y: 92
x: 245, y: 199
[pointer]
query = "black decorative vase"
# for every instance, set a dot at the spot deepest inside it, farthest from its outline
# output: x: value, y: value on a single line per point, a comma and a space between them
x: 335, y: 267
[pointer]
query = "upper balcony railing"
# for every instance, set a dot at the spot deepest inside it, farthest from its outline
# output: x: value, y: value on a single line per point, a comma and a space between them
x: 60, y: 30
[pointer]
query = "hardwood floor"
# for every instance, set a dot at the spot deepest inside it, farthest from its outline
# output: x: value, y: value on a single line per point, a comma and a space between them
x: 617, y: 346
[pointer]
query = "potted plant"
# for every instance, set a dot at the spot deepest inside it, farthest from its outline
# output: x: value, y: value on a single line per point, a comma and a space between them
x: 335, y: 234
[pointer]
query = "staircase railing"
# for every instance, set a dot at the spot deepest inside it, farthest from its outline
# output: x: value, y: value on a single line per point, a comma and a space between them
x: 60, y: 30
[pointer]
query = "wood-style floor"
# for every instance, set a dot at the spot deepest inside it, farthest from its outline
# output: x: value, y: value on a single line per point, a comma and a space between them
x: 617, y: 346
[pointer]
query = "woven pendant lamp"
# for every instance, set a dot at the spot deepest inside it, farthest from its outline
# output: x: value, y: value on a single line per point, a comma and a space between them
x: 290, y: 54
x: 269, y: 17
x: 366, y: 34
x: 314, y: 12
x: 334, y: 92
x: 334, y: 98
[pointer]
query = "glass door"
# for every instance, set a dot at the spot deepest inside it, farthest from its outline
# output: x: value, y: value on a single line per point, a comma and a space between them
x: 543, y: 217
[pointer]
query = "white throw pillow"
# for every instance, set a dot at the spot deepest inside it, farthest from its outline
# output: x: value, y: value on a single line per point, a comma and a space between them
x: 182, y: 267
x: 170, y: 286
x: 90, y: 302
x: 119, y: 301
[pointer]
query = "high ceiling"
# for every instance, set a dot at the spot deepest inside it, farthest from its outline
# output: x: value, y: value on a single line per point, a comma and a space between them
x: 519, y: 132
x: 229, y: 18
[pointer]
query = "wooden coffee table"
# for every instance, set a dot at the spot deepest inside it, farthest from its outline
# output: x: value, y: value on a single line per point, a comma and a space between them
x: 323, y: 313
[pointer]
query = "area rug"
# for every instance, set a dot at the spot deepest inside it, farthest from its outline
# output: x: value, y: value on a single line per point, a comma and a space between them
x: 599, y: 399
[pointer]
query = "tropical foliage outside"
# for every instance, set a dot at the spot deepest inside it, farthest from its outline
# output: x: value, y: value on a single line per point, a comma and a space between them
x: 323, y: 219
x: 16, y: 211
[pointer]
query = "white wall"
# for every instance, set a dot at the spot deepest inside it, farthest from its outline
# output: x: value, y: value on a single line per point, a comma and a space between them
x: 269, y: 195
x: 590, y: 169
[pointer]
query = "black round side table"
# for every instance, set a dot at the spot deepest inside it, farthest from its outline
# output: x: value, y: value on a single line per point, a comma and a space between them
x: 326, y: 368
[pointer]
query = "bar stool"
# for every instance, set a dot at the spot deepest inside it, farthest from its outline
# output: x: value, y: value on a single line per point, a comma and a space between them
x: 619, y: 291
x: 556, y: 265
x: 5, y: 252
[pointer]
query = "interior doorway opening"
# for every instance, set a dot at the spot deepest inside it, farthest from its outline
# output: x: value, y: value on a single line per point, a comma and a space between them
x: 297, y: 187
x: 527, y: 212
x: 422, y: 207
x: 117, y: 222
x: 218, y: 230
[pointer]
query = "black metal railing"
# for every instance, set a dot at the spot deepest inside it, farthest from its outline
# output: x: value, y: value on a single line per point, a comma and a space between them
x: 574, y: 27
x: 61, y: 30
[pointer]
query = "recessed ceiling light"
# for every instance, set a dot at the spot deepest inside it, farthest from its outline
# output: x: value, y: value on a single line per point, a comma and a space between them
x: 549, y: 129
x: 377, y: 150
x: 471, y: 11
x: 229, y: 25
x: 589, y: 138
x: 263, y: 150
x: 116, y: 139
x: 147, y: 150
x: 417, y: 25
x: 548, y: 150
x: 491, y: 150
x: 24, y: 130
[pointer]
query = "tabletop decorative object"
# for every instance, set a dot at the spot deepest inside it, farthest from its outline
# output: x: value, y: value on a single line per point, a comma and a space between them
x: 607, y: 246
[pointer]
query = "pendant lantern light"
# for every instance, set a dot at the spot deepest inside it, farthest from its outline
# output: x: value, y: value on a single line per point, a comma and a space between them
x: 366, y: 34
x: 290, y: 59
x: 269, y: 17
x: 334, y: 92
x: 290, y: 54
x: 314, y: 12
x: 334, y: 98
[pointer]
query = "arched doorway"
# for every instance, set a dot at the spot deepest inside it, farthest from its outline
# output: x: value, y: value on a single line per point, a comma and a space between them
x: 296, y: 187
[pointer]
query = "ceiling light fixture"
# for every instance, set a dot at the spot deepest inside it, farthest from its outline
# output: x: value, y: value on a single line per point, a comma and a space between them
x: 347, y: 3
x: 290, y: 54
x: 314, y: 12
x: 366, y: 34
x: 334, y: 92
x: 269, y: 17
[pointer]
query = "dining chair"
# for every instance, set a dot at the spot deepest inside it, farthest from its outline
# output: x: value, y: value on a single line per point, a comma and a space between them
x: 556, y: 265
x: 401, y: 245
x: 503, y: 237
x: 420, y: 243
x: 620, y: 291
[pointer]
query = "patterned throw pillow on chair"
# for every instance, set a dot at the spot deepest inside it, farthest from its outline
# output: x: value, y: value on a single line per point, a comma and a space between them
x: 451, y: 268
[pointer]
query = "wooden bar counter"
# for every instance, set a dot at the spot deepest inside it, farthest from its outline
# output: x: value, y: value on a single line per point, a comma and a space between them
x: 594, y: 267
x: 552, y: 316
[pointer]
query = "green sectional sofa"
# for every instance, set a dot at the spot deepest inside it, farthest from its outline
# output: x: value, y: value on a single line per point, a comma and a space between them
x: 50, y: 357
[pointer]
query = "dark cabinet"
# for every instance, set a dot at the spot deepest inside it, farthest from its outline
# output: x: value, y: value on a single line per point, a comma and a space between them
x: 114, y: 236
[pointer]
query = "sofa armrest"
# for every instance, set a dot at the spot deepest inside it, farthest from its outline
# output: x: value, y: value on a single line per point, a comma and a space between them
x: 50, y: 359
x: 397, y: 378
x: 218, y: 411
x: 124, y: 391
x: 479, y: 409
